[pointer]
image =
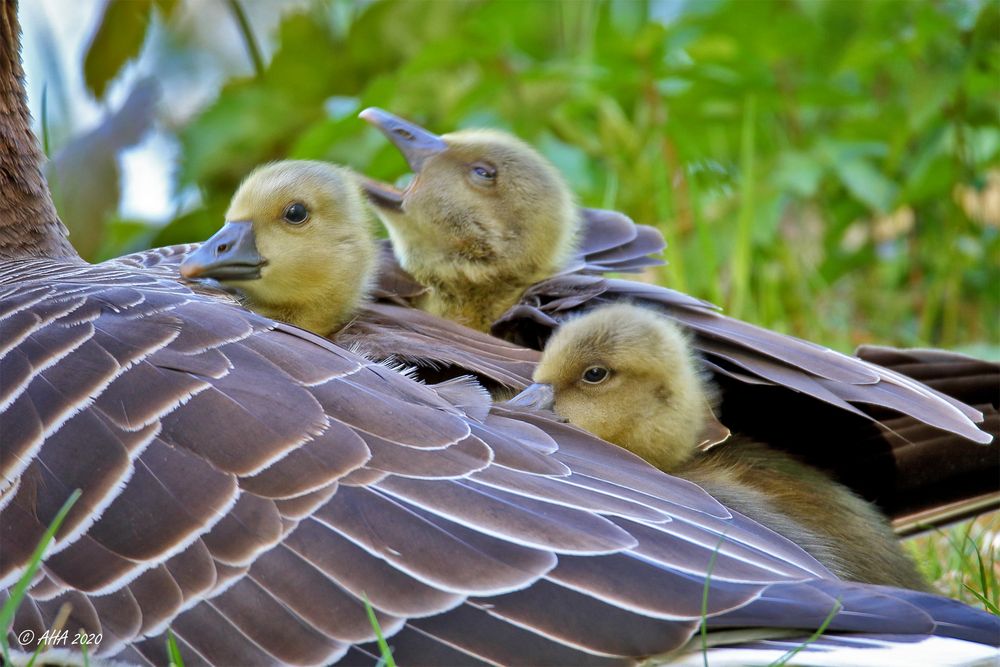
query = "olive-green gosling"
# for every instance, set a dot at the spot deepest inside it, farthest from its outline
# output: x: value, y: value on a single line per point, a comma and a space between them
x: 485, y: 217
x: 628, y: 375
x: 290, y: 230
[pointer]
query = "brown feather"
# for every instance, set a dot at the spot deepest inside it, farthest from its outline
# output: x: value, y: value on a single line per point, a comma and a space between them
x: 158, y: 596
x: 352, y: 568
x: 484, y: 632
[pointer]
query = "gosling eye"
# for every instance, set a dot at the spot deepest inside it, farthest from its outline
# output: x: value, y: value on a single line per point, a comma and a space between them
x: 483, y: 173
x: 596, y: 375
x: 296, y: 213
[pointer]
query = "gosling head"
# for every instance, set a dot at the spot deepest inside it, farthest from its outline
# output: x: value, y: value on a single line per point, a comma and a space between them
x: 297, y: 243
x: 484, y: 217
x: 627, y: 375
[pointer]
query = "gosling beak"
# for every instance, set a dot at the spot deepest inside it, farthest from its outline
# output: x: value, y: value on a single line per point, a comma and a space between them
x: 414, y: 142
x: 535, y: 397
x: 231, y: 254
x: 382, y: 194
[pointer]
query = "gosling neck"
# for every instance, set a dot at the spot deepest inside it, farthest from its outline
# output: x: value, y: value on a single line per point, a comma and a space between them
x: 322, y: 297
x: 335, y: 313
x: 29, y: 225
x: 474, y: 305
x: 667, y: 446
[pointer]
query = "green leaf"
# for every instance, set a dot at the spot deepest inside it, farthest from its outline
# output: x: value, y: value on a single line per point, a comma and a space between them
x: 867, y: 184
x: 196, y: 225
x: 122, y: 237
x: 118, y: 39
x: 569, y: 160
x: 253, y: 121
x: 248, y: 124
x: 798, y: 173
x: 984, y: 144
x: 166, y: 7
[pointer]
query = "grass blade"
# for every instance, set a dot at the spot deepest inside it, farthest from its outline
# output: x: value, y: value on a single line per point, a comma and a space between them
x: 985, y: 601
x: 248, y: 39
x: 837, y: 606
x: 34, y: 656
x: 748, y: 207
x: 173, y: 652
x: 383, y: 646
x: 704, y: 600
x: 86, y: 654
x: 21, y: 588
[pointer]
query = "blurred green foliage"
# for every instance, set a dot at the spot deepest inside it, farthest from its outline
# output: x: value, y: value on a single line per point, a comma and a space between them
x: 825, y: 168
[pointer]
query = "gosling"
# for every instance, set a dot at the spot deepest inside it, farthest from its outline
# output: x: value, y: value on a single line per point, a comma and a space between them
x: 298, y: 245
x: 628, y: 375
x: 485, y: 217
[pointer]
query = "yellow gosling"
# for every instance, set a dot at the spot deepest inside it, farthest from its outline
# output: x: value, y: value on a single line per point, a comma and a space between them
x: 628, y: 375
x: 485, y: 217
x: 298, y: 245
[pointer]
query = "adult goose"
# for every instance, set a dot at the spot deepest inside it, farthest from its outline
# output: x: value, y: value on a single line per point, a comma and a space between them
x: 248, y: 484
x: 628, y: 375
x: 481, y: 205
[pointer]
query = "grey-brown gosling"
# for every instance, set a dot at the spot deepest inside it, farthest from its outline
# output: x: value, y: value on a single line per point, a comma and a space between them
x: 628, y: 375
x: 285, y: 224
x: 484, y: 217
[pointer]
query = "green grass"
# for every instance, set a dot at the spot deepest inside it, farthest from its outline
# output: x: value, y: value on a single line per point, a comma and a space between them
x: 743, y: 247
x: 173, y: 651
x: 703, y: 627
x: 386, y: 660
x: 813, y: 637
x: 21, y: 588
x: 704, y: 599
x: 84, y: 651
x: 961, y: 561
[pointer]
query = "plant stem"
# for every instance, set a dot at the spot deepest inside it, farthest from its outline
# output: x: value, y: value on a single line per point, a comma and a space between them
x: 248, y: 38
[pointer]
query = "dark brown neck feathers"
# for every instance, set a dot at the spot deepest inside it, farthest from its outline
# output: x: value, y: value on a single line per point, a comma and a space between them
x: 29, y: 225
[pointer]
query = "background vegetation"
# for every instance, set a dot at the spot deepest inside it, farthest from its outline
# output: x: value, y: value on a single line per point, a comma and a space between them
x: 826, y: 168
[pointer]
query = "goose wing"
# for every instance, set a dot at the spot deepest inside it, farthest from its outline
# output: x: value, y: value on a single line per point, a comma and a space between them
x: 611, y: 242
x: 884, y: 432
x: 248, y: 485
x: 389, y: 328
x: 386, y: 331
x: 731, y: 347
x: 969, y: 484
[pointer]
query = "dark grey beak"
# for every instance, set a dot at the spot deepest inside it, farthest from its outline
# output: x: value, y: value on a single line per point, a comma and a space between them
x: 535, y: 397
x: 231, y: 254
x: 414, y: 142
x: 382, y: 194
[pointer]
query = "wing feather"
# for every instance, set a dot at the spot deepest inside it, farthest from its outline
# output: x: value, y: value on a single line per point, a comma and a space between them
x: 238, y: 473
